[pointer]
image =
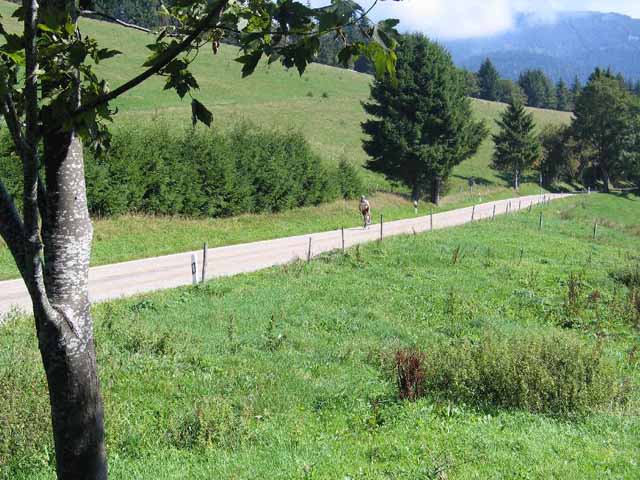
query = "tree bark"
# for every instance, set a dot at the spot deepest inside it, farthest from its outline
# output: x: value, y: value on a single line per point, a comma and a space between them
x: 517, y: 180
x: 415, y: 193
x: 65, y: 331
x: 436, y: 185
x: 606, y: 179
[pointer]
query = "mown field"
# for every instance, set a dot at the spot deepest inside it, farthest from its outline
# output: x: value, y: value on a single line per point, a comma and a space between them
x: 275, y: 98
x: 290, y: 373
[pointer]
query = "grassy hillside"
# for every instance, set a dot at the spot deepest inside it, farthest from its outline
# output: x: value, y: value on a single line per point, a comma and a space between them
x: 288, y: 373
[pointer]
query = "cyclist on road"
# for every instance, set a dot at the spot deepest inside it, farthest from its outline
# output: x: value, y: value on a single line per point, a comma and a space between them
x: 365, y: 210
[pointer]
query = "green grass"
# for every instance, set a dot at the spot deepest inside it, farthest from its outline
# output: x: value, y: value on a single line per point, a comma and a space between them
x: 284, y: 373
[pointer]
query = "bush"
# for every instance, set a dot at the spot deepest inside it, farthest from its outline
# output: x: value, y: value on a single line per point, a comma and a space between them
x: 551, y: 373
x: 628, y: 276
x: 348, y: 181
x: 212, y: 423
x: 157, y: 170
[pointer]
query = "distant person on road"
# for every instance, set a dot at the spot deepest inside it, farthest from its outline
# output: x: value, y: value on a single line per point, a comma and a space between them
x: 365, y: 210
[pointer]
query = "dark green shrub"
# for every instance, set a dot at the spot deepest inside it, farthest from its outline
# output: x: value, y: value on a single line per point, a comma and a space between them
x: 213, y: 422
x: 628, y: 276
x: 552, y: 373
x: 159, y: 170
x: 349, y: 182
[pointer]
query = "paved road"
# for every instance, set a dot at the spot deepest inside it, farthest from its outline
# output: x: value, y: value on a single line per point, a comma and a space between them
x: 130, y: 278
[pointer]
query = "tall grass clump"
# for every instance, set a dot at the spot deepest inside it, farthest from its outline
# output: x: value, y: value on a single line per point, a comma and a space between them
x: 553, y: 373
x: 201, y: 172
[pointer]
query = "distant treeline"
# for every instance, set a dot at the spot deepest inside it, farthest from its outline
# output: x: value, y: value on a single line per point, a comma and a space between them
x: 158, y: 170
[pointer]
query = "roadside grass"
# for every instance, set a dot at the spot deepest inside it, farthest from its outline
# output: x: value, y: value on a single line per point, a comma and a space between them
x: 285, y: 373
x: 132, y: 237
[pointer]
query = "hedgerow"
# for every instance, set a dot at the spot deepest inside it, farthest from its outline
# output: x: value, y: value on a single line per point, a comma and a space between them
x: 202, y: 173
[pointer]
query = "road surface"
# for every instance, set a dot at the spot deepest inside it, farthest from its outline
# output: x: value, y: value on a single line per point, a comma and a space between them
x: 152, y: 274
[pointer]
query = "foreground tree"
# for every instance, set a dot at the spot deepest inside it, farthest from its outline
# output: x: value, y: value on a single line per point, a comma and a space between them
x: 52, y: 101
x: 516, y: 144
x: 423, y: 125
x: 604, y: 124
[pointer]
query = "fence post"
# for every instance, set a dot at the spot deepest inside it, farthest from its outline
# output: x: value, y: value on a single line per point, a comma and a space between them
x: 431, y: 219
x: 343, y: 250
x: 493, y: 217
x: 194, y: 269
x: 381, y: 226
x: 519, y: 205
x: 540, y: 225
x: 204, y: 262
x: 309, y: 251
x: 473, y: 213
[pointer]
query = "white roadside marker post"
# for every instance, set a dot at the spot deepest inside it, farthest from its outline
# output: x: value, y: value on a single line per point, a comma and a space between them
x: 194, y: 269
x: 309, y: 251
x: 473, y: 213
x: 493, y: 217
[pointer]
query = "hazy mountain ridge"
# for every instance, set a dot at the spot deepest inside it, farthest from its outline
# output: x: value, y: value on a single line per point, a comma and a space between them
x: 572, y: 44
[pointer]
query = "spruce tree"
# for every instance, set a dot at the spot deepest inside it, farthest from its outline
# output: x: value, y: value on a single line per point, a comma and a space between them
x: 538, y: 89
x: 576, y: 89
x: 516, y: 144
x: 422, y: 123
x: 563, y: 97
x: 489, y: 80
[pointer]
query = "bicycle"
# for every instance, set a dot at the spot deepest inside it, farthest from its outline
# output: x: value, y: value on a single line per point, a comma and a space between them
x: 367, y: 219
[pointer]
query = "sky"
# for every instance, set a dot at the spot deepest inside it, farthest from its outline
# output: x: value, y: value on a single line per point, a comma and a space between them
x: 447, y: 19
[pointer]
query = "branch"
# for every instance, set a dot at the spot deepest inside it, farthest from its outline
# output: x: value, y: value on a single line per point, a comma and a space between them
x: 162, y: 62
x: 11, y: 228
x: 106, y: 16
x: 13, y: 124
x: 32, y: 270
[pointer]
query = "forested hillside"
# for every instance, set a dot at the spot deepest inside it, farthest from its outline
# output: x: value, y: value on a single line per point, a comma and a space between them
x: 572, y: 45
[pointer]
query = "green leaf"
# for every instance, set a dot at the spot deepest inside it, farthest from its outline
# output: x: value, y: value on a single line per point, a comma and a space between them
x: 105, y: 53
x: 249, y: 62
x: 200, y: 113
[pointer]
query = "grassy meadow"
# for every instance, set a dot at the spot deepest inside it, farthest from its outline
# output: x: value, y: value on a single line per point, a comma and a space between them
x: 289, y: 373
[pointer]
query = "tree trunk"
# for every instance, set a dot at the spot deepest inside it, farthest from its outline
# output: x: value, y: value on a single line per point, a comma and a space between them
x: 415, y: 194
x: 66, y: 341
x: 606, y: 179
x: 436, y: 185
x: 516, y: 182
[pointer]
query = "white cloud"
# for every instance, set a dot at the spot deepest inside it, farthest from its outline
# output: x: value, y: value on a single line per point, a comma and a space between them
x: 471, y: 18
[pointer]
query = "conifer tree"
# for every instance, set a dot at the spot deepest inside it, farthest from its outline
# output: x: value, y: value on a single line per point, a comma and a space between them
x: 423, y: 124
x: 516, y: 144
x: 489, y: 80
x: 563, y: 97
